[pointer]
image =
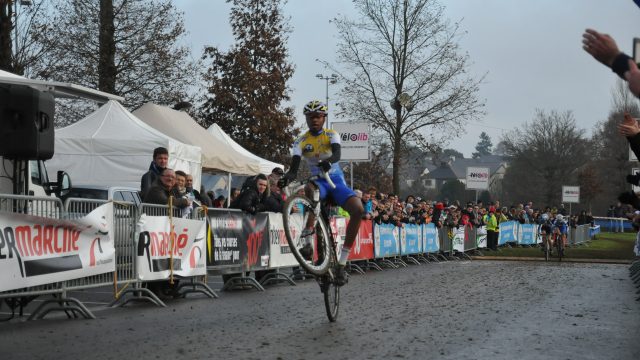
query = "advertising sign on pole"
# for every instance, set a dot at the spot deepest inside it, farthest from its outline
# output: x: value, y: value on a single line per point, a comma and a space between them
x: 354, y: 140
x: 571, y: 194
x: 477, y: 178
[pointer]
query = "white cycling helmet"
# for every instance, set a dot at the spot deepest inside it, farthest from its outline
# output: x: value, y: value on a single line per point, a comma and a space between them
x: 559, y: 217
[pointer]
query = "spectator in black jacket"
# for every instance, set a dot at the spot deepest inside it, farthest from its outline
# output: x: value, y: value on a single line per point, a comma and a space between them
x: 159, y: 163
x: 256, y: 197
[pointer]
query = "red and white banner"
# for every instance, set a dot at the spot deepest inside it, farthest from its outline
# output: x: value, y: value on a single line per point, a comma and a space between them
x: 279, y: 251
x: 160, y: 245
x: 37, y: 251
x: 363, y: 247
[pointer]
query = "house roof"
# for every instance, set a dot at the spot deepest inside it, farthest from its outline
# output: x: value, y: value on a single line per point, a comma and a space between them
x: 458, y: 168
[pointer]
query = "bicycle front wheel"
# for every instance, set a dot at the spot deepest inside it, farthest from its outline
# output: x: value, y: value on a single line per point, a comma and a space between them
x: 295, y: 215
x: 547, y: 249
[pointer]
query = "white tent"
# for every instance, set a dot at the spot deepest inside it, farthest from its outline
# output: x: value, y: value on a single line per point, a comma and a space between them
x: 266, y: 166
x: 113, y: 147
x: 219, y: 152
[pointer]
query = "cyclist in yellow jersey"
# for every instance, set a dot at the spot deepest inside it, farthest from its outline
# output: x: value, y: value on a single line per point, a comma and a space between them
x: 320, y: 147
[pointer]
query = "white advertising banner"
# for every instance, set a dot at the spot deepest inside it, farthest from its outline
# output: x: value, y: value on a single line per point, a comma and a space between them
x: 458, y: 239
x: 477, y: 178
x: 571, y: 194
x: 338, y: 227
x: 481, y: 237
x: 37, y: 251
x: 279, y: 251
x: 160, y: 245
x: 354, y: 140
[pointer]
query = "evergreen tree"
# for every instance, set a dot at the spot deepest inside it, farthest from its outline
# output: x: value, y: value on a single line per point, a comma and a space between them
x: 247, y: 84
x: 483, y: 147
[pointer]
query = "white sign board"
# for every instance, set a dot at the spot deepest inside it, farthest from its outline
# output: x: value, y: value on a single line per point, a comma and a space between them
x: 37, y: 251
x: 354, y: 140
x: 166, y: 245
x: 571, y: 194
x: 478, y: 178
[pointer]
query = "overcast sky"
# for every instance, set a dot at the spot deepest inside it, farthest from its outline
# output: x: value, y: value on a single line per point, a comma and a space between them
x: 531, y: 51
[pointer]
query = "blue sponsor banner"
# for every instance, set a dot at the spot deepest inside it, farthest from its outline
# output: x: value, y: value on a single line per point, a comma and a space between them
x: 411, y: 240
x: 527, y: 234
x: 430, y: 238
x: 508, y: 232
x: 386, y: 240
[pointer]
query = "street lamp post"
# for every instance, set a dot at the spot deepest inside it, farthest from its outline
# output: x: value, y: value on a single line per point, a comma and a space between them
x: 333, y: 78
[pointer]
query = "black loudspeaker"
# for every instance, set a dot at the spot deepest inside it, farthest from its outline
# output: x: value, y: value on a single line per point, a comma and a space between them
x: 26, y: 123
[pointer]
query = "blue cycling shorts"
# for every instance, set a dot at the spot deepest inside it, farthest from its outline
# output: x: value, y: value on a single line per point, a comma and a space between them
x: 340, y: 194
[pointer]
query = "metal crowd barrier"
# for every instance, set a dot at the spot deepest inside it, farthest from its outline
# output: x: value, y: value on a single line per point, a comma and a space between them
x: 579, y: 235
x: 133, y: 285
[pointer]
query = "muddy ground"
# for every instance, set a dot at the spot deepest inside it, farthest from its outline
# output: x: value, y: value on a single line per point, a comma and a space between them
x: 453, y: 310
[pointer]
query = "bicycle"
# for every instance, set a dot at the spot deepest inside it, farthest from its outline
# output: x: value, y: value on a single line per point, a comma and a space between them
x: 546, y: 243
x: 558, y: 242
x: 295, y: 213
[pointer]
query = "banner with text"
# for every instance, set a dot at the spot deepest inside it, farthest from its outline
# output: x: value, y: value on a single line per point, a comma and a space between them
x: 481, y: 237
x: 386, y: 240
x: 363, y: 247
x: 280, y: 254
x: 507, y: 232
x: 410, y: 242
x: 354, y: 140
x: 162, y: 247
x: 37, y: 251
x: 477, y: 178
x: 458, y: 239
x: 527, y: 234
x: 238, y: 239
x: 430, y: 242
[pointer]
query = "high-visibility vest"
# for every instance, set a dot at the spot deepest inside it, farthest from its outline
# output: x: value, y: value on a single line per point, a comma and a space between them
x: 491, y: 222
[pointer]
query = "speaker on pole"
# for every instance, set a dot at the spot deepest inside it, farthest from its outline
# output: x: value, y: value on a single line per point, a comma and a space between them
x: 26, y: 123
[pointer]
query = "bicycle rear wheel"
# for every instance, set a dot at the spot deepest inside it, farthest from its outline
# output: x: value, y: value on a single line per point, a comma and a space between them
x: 547, y: 249
x: 559, y: 247
x: 295, y: 214
x: 331, y: 291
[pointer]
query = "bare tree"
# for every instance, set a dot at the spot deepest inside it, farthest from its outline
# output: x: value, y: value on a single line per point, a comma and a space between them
x: 129, y: 48
x: 611, y: 151
x: 405, y: 47
x: 545, y: 155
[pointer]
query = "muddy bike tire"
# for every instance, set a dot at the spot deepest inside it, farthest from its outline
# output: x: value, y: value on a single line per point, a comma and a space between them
x: 547, y: 250
x: 331, y: 292
x: 294, y: 223
x: 559, y: 247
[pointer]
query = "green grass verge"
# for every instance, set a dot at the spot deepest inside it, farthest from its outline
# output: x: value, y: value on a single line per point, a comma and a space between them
x: 618, y: 246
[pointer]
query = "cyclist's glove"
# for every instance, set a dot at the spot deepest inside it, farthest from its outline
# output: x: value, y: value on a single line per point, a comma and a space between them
x: 629, y: 198
x: 634, y: 179
x: 286, y: 179
x: 324, y: 165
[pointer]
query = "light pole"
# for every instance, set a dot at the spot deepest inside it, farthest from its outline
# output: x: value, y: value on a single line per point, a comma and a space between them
x: 333, y: 78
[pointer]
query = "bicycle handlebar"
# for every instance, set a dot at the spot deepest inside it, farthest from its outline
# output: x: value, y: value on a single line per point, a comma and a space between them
x: 325, y: 175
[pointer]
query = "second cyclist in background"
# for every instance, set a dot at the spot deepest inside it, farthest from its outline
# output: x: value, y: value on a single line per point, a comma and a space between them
x: 320, y: 148
x: 560, y: 229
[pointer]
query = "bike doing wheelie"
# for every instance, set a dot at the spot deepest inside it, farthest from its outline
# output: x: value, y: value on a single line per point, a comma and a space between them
x: 321, y: 150
x: 297, y: 212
